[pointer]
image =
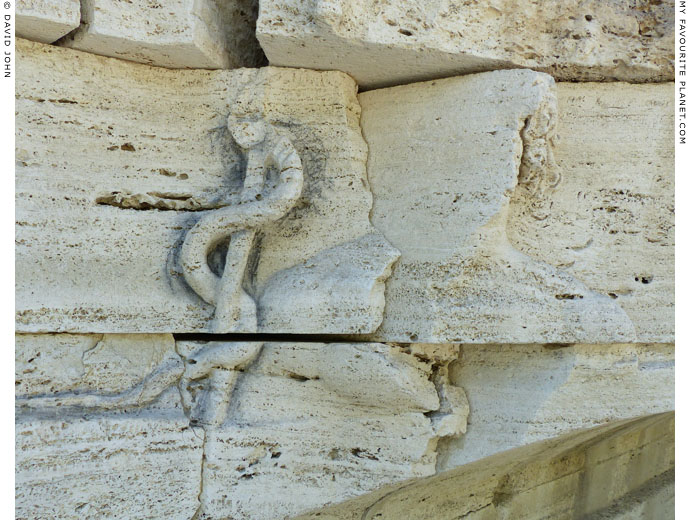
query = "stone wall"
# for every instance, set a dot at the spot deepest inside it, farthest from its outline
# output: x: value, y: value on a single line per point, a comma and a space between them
x: 327, y: 259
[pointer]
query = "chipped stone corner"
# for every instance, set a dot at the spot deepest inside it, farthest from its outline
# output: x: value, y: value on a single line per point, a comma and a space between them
x: 449, y: 419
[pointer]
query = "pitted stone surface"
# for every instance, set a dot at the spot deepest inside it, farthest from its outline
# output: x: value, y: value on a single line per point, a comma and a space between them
x: 448, y: 160
x: 46, y: 20
x: 206, y: 34
x: 110, y: 180
x: 315, y: 423
x: 99, y: 433
x: 621, y: 470
x: 384, y: 43
x: 520, y: 394
x: 610, y: 222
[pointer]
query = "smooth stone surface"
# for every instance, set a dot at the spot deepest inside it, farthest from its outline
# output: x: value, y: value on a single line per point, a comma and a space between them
x: 621, y: 470
x: 206, y: 34
x: 446, y: 161
x: 46, y: 20
x: 520, y: 394
x: 385, y: 43
x: 110, y: 179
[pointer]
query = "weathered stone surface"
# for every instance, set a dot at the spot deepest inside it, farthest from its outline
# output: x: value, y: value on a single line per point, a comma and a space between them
x: 611, y: 220
x: 503, y: 238
x: 108, y: 424
x: 46, y: 20
x: 317, y: 423
x: 387, y: 43
x: 206, y: 34
x: 622, y: 470
x: 100, y: 430
x: 443, y: 184
x: 110, y: 179
x: 520, y: 394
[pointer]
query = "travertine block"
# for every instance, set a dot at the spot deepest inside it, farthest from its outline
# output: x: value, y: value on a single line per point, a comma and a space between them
x: 113, y: 425
x: 207, y: 34
x: 621, y: 470
x: 505, y: 233
x: 388, y: 43
x: 520, y: 394
x: 317, y: 423
x: 46, y: 20
x: 100, y: 430
x: 112, y: 178
x: 611, y: 220
x: 505, y: 237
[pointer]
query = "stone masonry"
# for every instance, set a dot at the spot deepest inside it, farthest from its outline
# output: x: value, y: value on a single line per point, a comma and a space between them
x: 322, y: 259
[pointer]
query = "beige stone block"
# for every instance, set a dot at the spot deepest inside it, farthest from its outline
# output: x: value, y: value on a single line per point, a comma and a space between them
x: 514, y: 227
x: 316, y: 423
x: 611, y: 220
x: 521, y: 394
x: 389, y: 43
x: 112, y: 178
x: 46, y: 20
x: 206, y: 34
x: 100, y: 431
x: 136, y: 426
x: 621, y: 470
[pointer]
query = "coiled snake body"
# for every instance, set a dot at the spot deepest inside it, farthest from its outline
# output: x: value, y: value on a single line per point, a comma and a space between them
x: 235, y: 310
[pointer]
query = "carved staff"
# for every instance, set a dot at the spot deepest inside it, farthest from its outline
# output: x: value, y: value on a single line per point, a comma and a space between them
x: 235, y: 309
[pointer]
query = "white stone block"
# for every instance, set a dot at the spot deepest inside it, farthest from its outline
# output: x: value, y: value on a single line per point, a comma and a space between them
x: 508, y: 234
x: 521, y: 394
x: 111, y: 178
x: 389, y: 43
x: 46, y: 20
x: 207, y: 34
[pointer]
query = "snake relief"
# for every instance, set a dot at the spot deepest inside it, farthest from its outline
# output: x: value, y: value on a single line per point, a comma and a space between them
x: 263, y: 199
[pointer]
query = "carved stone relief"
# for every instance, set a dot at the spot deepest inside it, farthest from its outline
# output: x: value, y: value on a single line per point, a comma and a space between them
x: 228, y: 201
x: 95, y: 412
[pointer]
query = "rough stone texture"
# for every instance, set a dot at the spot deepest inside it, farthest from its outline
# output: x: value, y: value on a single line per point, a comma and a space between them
x: 443, y: 184
x: 318, y: 423
x: 383, y: 43
x: 206, y: 34
x: 611, y: 220
x: 100, y: 433
x: 46, y: 20
x: 599, y: 473
x: 108, y: 424
x: 507, y: 238
x: 115, y: 166
x: 520, y: 394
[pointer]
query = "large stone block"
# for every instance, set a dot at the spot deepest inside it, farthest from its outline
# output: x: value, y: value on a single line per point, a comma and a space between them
x: 505, y: 236
x: 521, y: 394
x: 207, y: 34
x: 46, y: 20
x: 611, y: 220
x: 622, y: 470
x: 314, y: 423
x: 131, y: 181
x: 112, y: 426
x: 388, y: 43
x: 100, y: 430
x: 508, y: 234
